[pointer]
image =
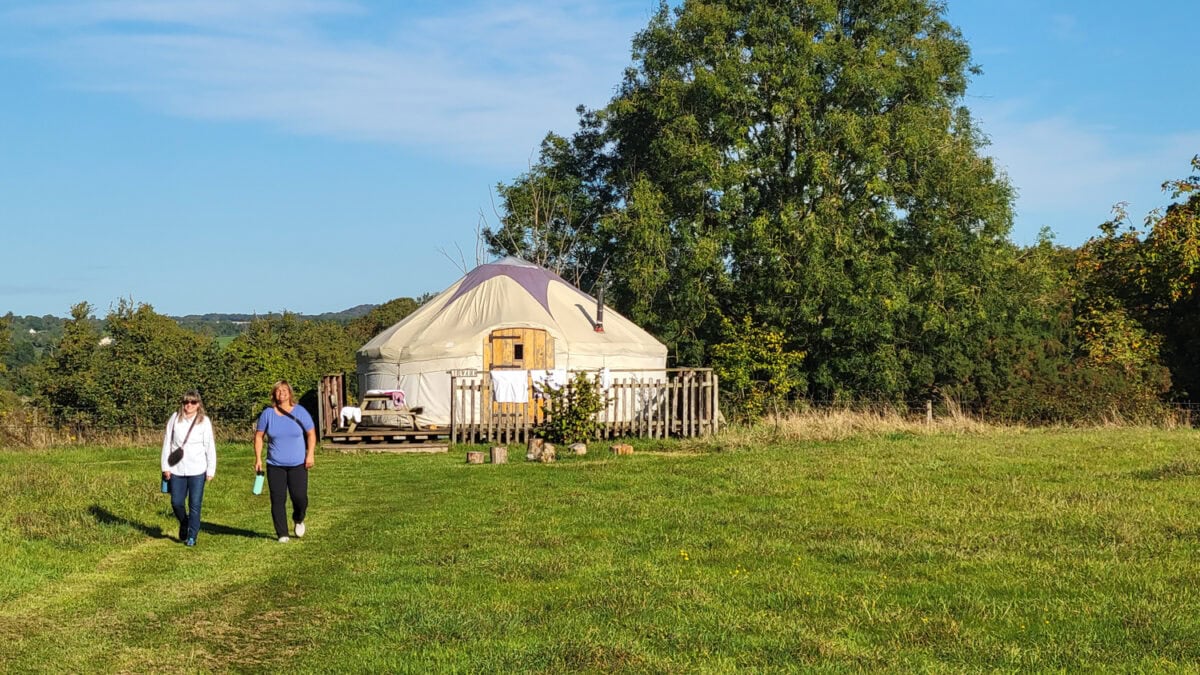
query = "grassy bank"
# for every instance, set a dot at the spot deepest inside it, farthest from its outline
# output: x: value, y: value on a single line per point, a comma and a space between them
x: 1010, y: 550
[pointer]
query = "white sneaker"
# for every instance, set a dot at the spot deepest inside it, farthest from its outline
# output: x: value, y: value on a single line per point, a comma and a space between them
x: 283, y: 540
x: 299, y: 529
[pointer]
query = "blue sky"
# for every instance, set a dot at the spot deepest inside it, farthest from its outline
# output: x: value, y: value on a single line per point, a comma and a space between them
x: 312, y: 155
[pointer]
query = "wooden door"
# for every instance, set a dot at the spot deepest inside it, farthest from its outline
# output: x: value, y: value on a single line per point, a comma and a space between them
x: 518, y: 349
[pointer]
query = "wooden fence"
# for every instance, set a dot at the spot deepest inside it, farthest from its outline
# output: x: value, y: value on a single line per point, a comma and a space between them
x: 676, y: 402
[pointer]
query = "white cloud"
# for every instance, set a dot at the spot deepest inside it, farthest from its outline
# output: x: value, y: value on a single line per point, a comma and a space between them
x: 1069, y: 173
x: 475, y: 82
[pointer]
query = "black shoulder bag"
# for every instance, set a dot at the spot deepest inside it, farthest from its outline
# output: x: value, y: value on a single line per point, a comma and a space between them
x: 177, y: 454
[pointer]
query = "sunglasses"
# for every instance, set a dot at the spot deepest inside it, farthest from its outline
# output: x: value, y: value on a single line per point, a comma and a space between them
x: 191, y: 402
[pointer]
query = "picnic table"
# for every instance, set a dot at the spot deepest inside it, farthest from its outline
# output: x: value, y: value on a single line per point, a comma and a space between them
x: 383, y: 404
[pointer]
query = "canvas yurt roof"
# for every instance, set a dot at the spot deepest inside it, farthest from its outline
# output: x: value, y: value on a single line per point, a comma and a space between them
x: 493, y: 302
x: 514, y: 293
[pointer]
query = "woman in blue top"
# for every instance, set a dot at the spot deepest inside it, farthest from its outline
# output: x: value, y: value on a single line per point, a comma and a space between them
x: 291, y: 440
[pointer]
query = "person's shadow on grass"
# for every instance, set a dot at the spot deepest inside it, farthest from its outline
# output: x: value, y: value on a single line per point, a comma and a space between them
x: 106, y: 517
x: 213, y: 528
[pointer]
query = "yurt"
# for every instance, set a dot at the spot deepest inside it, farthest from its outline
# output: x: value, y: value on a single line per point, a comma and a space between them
x: 502, y: 316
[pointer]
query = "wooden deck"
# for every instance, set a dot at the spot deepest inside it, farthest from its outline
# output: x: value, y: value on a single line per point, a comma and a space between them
x: 388, y: 440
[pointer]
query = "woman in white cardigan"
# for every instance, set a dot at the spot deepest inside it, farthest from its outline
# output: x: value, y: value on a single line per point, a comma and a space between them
x: 189, y: 460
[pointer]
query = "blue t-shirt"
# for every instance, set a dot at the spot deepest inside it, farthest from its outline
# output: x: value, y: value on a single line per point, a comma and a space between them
x: 285, y: 442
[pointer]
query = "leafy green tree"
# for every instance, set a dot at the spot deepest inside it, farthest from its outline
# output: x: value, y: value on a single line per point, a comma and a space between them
x: 809, y: 165
x: 146, y: 363
x: 130, y: 378
x: 67, y: 382
x: 1137, y: 298
x: 280, y: 348
x: 6, y: 343
x: 549, y: 216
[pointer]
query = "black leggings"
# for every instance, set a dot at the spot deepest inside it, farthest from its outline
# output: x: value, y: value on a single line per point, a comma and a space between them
x: 282, y: 481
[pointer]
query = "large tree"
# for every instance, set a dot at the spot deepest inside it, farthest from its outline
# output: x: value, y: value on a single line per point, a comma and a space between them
x: 809, y: 165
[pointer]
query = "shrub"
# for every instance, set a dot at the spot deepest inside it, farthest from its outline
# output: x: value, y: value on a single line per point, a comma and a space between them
x: 571, y: 410
x: 755, y: 370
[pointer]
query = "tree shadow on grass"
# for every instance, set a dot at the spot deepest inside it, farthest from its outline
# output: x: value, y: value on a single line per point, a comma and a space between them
x: 106, y: 517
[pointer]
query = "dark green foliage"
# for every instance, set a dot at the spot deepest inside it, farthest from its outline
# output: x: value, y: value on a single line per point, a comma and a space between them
x: 571, y: 410
x: 283, y: 348
x: 810, y: 167
x: 147, y: 366
x: 6, y: 343
x: 133, y: 377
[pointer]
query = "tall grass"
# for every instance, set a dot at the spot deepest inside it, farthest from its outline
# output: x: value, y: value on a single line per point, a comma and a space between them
x: 835, y: 424
x: 890, y: 550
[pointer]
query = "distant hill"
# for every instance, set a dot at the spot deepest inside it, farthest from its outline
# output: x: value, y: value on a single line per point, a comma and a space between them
x: 219, y: 325
x: 44, y: 331
x: 341, y: 317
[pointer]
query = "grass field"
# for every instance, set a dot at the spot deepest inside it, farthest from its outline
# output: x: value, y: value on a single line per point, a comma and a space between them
x: 1046, y: 550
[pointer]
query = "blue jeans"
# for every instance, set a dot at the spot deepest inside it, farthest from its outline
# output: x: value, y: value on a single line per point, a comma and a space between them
x: 191, y: 487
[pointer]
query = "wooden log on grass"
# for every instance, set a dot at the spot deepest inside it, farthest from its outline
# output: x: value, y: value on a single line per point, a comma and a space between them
x: 533, y: 449
x: 621, y: 449
x: 499, y: 454
x: 474, y: 457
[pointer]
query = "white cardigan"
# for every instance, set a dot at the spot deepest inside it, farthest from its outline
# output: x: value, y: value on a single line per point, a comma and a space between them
x: 200, y: 452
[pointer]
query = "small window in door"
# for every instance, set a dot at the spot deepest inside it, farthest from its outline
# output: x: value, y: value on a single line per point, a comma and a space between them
x: 518, y: 352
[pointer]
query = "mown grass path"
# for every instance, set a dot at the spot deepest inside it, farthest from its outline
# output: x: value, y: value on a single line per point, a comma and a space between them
x: 1026, y: 551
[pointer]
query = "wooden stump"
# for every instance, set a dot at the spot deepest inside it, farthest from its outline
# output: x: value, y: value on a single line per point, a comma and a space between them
x: 499, y: 454
x: 474, y: 457
x: 549, y: 454
x: 534, y: 450
x: 622, y: 449
x: 579, y: 448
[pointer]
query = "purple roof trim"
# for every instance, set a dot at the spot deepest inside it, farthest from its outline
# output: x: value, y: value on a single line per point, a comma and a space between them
x: 533, y: 278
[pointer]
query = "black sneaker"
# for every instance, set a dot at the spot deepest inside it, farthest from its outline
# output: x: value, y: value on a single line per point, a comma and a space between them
x: 182, y: 532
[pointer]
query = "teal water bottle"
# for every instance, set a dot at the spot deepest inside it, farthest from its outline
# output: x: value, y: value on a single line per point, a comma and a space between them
x: 258, y: 481
x: 166, y: 487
